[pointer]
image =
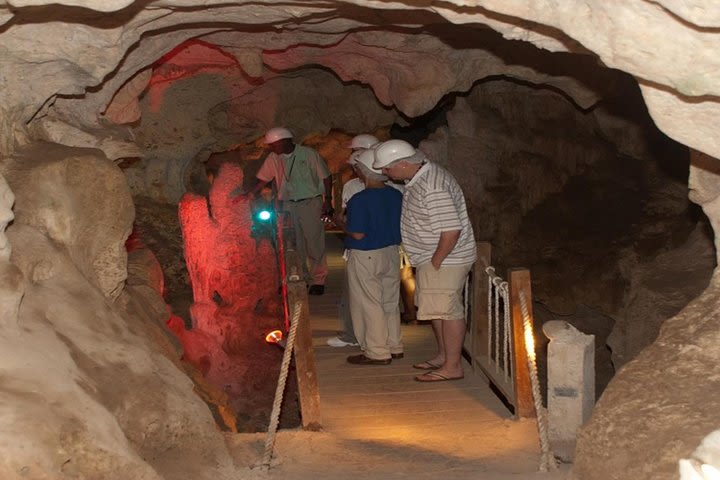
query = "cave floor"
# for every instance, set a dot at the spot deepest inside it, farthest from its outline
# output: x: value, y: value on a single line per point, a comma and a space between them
x: 379, y: 423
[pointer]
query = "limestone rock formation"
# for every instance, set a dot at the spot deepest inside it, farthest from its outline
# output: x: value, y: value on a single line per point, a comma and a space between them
x: 81, y: 201
x: 12, y: 281
x: 657, y: 409
x: 88, y: 392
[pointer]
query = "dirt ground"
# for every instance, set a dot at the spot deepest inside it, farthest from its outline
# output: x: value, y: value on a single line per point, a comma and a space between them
x: 322, y: 455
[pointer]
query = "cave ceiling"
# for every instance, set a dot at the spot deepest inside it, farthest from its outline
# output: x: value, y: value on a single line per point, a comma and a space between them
x: 66, y: 62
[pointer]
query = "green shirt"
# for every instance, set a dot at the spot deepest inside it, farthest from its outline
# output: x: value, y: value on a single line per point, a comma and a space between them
x: 298, y: 175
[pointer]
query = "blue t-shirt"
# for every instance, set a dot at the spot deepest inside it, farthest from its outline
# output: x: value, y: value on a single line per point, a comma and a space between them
x: 376, y: 213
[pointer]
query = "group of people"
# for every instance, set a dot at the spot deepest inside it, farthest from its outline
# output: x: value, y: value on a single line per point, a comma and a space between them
x: 426, y: 214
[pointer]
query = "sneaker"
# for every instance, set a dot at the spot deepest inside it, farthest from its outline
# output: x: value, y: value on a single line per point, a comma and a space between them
x: 338, y: 342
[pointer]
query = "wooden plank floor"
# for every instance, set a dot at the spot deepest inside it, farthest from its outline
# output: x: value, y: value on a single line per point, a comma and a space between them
x: 371, y: 403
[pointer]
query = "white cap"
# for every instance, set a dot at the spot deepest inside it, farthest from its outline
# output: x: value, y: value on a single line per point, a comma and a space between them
x: 392, y: 151
x: 363, y: 140
x: 277, y: 133
x: 366, y: 158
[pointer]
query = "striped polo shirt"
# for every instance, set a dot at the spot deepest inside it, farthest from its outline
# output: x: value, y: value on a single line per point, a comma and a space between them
x: 433, y: 203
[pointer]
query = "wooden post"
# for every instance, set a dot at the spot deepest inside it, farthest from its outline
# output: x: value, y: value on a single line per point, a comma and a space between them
x: 519, y: 281
x: 305, y: 359
x: 305, y: 370
x: 479, y: 323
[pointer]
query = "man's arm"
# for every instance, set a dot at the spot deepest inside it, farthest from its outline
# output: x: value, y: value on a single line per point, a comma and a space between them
x: 239, y: 191
x: 340, y: 222
x: 447, y: 242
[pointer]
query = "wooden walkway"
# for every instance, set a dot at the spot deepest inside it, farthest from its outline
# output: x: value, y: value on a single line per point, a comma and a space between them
x: 456, y: 419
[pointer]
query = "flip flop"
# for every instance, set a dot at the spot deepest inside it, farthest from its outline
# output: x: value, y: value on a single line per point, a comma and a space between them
x: 435, y: 377
x: 426, y: 366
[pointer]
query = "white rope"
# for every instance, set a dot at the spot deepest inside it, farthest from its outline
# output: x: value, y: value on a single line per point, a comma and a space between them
x: 547, y: 460
x: 497, y: 281
x: 507, y: 340
x: 279, y: 391
x: 491, y: 273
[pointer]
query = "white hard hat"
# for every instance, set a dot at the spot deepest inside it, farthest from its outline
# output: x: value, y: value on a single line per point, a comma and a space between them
x: 366, y: 158
x: 391, y: 151
x: 363, y: 140
x: 277, y: 133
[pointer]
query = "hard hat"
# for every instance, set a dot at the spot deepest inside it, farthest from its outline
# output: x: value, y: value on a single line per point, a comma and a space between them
x: 363, y: 141
x: 391, y: 151
x: 277, y: 133
x: 366, y: 158
x: 354, y: 157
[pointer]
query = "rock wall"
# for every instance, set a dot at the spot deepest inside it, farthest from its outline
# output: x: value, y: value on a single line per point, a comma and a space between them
x: 87, y: 391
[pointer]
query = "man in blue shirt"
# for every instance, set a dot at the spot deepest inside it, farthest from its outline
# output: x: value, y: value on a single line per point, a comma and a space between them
x: 373, y: 266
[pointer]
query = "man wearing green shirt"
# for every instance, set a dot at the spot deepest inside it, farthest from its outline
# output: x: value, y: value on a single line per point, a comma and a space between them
x: 304, y: 186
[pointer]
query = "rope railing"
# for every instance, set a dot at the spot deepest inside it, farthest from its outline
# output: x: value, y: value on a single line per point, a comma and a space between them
x: 279, y: 391
x: 498, y: 319
x: 547, y: 460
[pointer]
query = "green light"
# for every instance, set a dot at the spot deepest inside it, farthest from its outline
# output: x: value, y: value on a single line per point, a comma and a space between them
x: 264, y: 215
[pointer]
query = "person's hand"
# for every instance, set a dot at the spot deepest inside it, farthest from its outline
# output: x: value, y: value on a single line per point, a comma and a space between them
x: 339, y: 220
x: 238, y: 194
x: 435, y: 263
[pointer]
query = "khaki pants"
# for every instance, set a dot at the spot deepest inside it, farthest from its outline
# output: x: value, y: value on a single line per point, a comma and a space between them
x: 374, y: 287
x: 309, y: 237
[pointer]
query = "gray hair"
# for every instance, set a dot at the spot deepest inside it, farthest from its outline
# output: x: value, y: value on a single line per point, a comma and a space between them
x: 417, y: 157
x: 379, y: 177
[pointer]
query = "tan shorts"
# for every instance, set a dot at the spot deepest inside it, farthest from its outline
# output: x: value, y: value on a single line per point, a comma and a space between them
x: 439, y: 292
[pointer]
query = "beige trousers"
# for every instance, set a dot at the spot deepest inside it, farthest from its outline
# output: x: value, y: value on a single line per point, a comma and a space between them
x: 309, y: 237
x: 374, y: 288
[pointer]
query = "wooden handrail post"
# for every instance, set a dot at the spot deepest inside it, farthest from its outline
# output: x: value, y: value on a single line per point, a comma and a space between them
x: 305, y: 370
x: 479, y: 322
x: 519, y: 281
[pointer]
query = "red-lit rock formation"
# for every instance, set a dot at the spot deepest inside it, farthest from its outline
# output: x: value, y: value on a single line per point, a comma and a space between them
x: 236, y: 302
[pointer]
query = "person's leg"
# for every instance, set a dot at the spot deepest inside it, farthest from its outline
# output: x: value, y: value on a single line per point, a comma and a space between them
x: 453, y: 334
x: 346, y: 335
x: 293, y: 208
x: 439, y: 358
x: 366, y: 303
x: 314, y: 232
x: 445, y: 302
x: 389, y: 275
x: 426, y: 278
x: 355, y: 299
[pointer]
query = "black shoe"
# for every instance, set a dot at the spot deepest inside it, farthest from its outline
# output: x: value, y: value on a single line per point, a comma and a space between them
x: 316, y: 290
x: 397, y: 356
x: 363, y: 360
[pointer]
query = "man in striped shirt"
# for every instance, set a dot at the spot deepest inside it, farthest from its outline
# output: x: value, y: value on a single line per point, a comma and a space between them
x: 439, y: 241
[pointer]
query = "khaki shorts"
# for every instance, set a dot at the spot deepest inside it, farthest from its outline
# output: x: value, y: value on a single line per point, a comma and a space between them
x: 439, y: 292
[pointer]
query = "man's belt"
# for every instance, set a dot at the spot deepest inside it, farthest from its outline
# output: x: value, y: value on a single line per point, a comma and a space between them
x: 305, y: 199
